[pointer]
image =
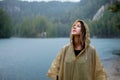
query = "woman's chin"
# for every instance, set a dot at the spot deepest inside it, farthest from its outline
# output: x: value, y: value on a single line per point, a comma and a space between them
x: 75, y: 34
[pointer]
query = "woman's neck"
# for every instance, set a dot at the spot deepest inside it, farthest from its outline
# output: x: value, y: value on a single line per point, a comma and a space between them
x: 77, y: 43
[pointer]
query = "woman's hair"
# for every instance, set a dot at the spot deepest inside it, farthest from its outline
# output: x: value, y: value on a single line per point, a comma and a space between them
x: 83, y: 32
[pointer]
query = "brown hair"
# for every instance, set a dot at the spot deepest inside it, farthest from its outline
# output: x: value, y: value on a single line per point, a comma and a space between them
x: 83, y: 33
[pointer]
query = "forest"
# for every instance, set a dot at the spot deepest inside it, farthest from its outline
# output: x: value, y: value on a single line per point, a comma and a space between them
x: 54, y: 18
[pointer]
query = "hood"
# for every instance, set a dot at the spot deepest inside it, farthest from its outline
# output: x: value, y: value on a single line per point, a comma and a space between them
x: 87, y: 35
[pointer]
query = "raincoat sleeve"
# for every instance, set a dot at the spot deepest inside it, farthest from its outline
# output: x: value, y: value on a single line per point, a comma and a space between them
x: 55, y: 66
x: 99, y: 69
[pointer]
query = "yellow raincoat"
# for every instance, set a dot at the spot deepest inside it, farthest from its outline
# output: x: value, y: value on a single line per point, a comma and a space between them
x: 85, y: 66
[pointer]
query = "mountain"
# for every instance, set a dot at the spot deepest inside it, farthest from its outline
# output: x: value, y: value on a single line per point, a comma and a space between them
x: 29, y: 9
x: 55, y: 18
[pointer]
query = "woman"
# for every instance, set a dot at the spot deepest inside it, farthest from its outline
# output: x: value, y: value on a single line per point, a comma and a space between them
x: 77, y: 60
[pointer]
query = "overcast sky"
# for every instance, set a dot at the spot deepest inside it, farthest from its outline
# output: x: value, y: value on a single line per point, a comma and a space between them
x: 54, y: 0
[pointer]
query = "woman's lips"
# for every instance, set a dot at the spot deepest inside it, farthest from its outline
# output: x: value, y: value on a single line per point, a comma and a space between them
x: 74, y: 30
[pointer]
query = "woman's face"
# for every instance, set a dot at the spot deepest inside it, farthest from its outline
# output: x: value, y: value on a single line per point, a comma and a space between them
x: 76, y: 29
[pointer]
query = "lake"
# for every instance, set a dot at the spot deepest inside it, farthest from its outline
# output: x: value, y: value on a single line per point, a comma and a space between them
x: 30, y: 58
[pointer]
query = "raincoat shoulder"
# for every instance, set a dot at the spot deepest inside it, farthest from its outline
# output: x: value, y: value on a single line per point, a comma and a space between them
x: 98, y: 71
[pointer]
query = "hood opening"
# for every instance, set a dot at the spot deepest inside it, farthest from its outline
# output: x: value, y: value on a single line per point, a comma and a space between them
x: 86, y: 36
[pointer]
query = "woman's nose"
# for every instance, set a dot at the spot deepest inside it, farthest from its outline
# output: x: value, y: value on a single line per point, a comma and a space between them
x: 74, y: 27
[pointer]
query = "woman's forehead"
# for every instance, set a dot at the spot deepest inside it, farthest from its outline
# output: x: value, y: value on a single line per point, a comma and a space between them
x: 78, y: 23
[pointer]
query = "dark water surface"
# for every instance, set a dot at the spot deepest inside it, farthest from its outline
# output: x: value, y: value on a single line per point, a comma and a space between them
x: 30, y: 58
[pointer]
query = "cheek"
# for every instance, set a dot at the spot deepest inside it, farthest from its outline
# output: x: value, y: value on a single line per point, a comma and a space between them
x: 79, y: 31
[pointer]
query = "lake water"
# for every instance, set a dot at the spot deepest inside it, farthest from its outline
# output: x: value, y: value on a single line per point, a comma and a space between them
x: 30, y: 58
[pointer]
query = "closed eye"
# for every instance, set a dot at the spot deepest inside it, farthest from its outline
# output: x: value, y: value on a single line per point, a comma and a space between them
x: 78, y: 26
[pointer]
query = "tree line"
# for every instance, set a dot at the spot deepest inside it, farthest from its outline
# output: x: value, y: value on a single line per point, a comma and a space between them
x: 52, y: 24
x: 5, y: 25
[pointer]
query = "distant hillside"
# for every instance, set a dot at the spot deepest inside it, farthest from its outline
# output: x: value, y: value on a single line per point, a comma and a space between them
x: 32, y: 19
x: 84, y: 9
x: 22, y: 8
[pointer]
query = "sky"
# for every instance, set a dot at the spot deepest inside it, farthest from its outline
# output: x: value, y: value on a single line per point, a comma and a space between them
x: 53, y: 0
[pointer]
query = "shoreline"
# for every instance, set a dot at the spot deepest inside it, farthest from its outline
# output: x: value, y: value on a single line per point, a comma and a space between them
x: 112, y: 67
